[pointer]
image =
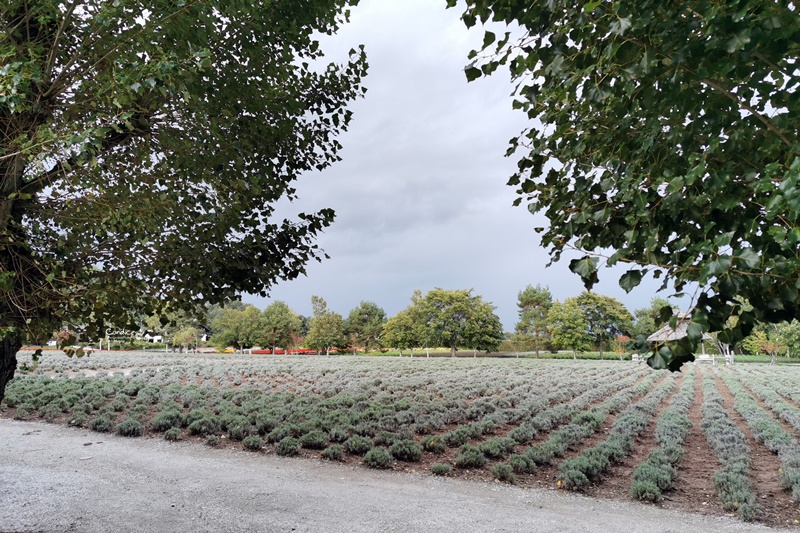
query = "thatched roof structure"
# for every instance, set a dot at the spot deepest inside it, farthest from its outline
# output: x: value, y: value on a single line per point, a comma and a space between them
x: 668, y: 334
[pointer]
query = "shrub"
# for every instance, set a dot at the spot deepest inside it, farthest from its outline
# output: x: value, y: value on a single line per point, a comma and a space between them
x: 470, y: 457
x: 522, y: 464
x: 24, y: 411
x: 522, y: 434
x: 572, y: 479
x: 358, y: 445
x: 265, y: 423
x: 504, y: 472
x: 338, y: 434
x: 101, y: 424
x: 172, y: 434
x: 497, y: 448
x: 378, y: 458
x: 386, y: 438
x: 315, y: 439
x: 406, y: 450
x: 645, y: 490
x: 78, y: 419
x: 50, y: 412
x: 457, y: 437
x: 130, y: 427
x: 166, y: 420
x: 204, y: 426
x: 288, y: 446
x: 281, y: 432
x: 196, y: 414
x: 241, y: 431
x: 253, y: 443
x: 433, y: 443
x: 441, y: 469
x: 334, y: 452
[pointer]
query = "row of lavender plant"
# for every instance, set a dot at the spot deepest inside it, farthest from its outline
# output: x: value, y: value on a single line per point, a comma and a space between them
x: 657, y: 473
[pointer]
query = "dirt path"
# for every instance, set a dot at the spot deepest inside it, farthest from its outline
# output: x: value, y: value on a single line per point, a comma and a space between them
x: 55, y: 478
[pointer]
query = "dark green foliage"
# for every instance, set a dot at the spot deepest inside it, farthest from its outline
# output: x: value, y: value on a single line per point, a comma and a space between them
x: 172, y: 434
x: 522, y: 433
x: 314, y: 440
x: 213, y: 440
x: 130, y: 427
x: 196, y: 414
x: 205, y: 426
x: 433, y: 443
x: 334, y: 452
x: 522, y: 464
x: 470, y: 457
x: 338, y: 434
x: 386, y: 438
x: 497, y: 448
x: 406, y: 450
x: 165, y: 420
x: 710, y: 199
x: 572, y: 479
x: 457, y: 437
x: 441, y: 469
x: 288, y: 446
x: 358, y: 445
x: 265, y: 423
x: 101, y: 424
x: 645, y: 490
x: 254, y: 443
x: 378, y: 457
x: 281, y: 432
x: 504, y: 472
x: 78, y: 419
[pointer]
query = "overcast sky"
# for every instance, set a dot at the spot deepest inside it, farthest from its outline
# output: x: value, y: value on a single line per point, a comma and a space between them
x: 420, y: 195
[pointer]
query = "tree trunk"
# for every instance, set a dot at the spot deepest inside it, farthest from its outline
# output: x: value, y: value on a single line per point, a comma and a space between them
x: 8, y: 360
x: 452, y: 351
x: 574, y: 355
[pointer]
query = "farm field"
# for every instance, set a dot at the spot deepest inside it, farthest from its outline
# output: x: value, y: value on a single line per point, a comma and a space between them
x: 719, y: 440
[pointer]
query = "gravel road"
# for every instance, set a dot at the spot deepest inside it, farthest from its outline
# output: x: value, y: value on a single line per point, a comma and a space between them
x: 55, y: 478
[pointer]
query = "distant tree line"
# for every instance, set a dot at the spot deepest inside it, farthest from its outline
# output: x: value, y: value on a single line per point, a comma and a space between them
x: 451, y: 319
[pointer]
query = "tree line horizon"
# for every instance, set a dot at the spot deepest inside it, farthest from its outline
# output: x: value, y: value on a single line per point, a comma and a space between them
x: 452, y: 319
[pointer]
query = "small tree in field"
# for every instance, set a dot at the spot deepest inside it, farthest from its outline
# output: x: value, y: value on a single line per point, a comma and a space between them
x: 327, y: 328
x: 534, y: 303
x: 568, y: 326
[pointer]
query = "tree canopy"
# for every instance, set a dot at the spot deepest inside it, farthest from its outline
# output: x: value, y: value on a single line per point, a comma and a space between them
x: 534, y: 303
x: 666, y: 132
x: 144, y: 146
x: 455, y: 318
x: 606, y: 318
x: 569, y: 329
x: 327, y: 327
x: 364, y: 325
x: 279, y: 323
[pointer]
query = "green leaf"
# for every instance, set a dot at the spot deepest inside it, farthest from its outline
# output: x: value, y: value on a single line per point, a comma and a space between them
x: 472, y: 73
x: 586, y: 268
x: 630, y: 279
x: 750, y: 258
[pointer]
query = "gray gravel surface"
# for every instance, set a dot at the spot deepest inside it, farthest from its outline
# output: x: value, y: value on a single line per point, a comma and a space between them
x: 55, y: 478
